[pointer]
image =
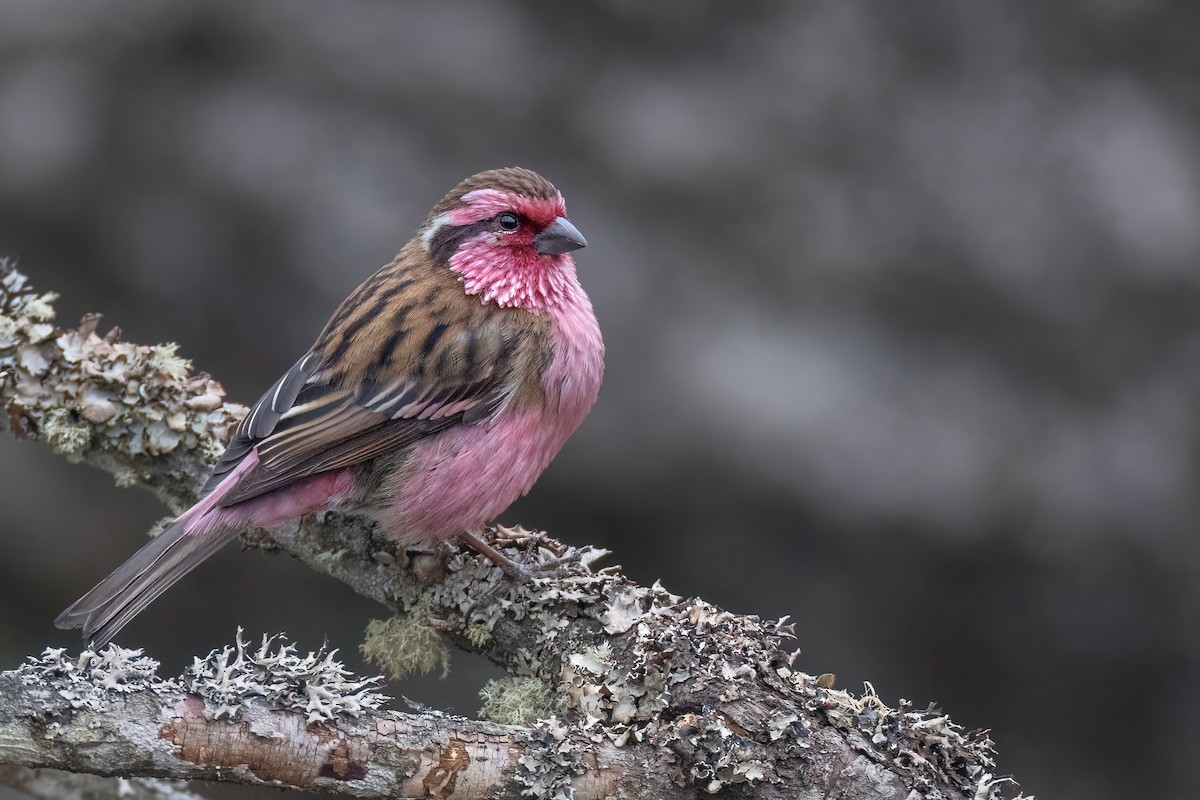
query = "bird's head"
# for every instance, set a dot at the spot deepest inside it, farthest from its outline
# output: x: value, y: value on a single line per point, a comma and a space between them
x: 506, y: 234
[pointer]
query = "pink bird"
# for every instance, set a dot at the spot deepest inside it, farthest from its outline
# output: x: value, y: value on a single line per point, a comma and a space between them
x: 435, y: 396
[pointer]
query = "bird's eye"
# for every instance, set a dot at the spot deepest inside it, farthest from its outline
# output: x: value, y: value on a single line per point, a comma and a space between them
x: 508, y: 221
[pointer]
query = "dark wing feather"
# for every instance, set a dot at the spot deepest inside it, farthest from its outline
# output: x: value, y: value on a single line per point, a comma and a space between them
x: 305, y: 425
x: 261, y: 419
x: 341, y: 433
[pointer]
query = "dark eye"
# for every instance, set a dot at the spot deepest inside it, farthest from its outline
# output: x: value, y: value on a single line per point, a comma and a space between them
x: 508, y: 221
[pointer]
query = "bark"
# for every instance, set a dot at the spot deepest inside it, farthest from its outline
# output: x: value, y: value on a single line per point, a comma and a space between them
x: 624, y: 690
x: 53, y: 784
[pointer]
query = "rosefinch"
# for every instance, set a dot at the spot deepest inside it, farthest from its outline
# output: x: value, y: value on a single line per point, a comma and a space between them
x: 435, y: 396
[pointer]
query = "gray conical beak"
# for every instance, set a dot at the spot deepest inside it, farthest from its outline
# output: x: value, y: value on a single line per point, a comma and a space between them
x: 559, y: 237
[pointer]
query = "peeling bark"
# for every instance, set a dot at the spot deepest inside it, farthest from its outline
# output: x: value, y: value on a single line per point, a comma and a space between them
x: 664, y: 696
x: 160, y: 729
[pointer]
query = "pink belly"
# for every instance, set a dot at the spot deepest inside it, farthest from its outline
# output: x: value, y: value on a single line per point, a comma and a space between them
x: 464, y: 477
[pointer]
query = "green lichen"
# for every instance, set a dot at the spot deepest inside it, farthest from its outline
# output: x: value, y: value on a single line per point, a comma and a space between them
x: 478, y: 634
x: 211, y: 450
x: 328, y: 558
x: 40, y: 308
x: 166, y: 359
x: 65, y: 436
x: 408, y: 644
x: 519, y: 701
x: 125, y: 477
x: 159, y: 526
x: 8, y: 331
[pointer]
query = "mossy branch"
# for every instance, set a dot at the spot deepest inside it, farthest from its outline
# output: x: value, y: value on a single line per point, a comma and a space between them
x: 642, y: 693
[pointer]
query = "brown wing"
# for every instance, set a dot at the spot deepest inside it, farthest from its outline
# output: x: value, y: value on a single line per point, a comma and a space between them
x: 314, y: 420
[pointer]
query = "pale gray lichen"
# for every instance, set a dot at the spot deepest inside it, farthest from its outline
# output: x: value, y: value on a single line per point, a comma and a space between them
x: 406, y: 644
x: 549, y: 761
x: 125, y: 477
x: 621, y: 654
x: 519, y: 701
x: 925, y: 743
x: 666, y: 652
x: 93, y: 679
x: 714, y: 755
x: 86, y: 393
x: 8, y: 332
x: 637, y: 647
x: 316, y: 685
x: 634, y: 687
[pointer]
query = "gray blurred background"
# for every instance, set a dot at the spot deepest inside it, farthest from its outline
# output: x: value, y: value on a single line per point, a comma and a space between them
x: 900, y: 302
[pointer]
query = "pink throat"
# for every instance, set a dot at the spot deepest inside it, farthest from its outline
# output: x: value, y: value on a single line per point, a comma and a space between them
x: 508, y: 270
x: 516, y: 277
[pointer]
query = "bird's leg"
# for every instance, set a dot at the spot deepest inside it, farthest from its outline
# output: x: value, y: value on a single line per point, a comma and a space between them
x: 525, y: 573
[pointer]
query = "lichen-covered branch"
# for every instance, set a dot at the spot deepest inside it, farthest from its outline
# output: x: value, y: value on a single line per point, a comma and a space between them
x: 703, y: 700
x: 266, y: 716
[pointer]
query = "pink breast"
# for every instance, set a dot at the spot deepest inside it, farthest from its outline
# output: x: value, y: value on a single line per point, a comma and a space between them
x: 466, y: 476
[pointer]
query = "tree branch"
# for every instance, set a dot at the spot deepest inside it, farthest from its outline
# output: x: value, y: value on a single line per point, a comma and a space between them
x: 53, y: 784
x: 661, y: 696
x: 110, y: 714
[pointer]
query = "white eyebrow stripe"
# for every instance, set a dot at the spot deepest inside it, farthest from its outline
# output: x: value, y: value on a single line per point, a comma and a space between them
x: 435, y: 225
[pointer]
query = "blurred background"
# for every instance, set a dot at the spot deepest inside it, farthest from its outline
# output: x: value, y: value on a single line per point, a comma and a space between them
x: 900, y: 302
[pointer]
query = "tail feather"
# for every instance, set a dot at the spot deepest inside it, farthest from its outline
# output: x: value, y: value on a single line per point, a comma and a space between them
x: 148, y: 573
x: 194, y: 536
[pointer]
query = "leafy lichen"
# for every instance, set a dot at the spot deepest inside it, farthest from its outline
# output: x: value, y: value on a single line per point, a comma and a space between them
x: 316, y: 684
x: 86, y: 393
x: 551, y: 758
x: 93, y: 679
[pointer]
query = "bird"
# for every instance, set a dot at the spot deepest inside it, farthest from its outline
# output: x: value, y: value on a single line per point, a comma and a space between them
x: 434, y: 397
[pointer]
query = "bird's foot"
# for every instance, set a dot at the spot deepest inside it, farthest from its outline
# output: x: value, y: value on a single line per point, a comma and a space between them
x: 522, y: 571
x: 524, y: 539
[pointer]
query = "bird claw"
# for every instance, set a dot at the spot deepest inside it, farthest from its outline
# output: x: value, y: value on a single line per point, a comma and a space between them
x: 528, y: 573
x: 521, y: 538
x: 521, y: 571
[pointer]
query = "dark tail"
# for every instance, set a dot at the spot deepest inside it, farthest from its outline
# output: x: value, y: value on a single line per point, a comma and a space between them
x: 148, y: 573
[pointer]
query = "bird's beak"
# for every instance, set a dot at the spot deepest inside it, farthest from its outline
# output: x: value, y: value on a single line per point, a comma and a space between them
x: 559, y: 237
